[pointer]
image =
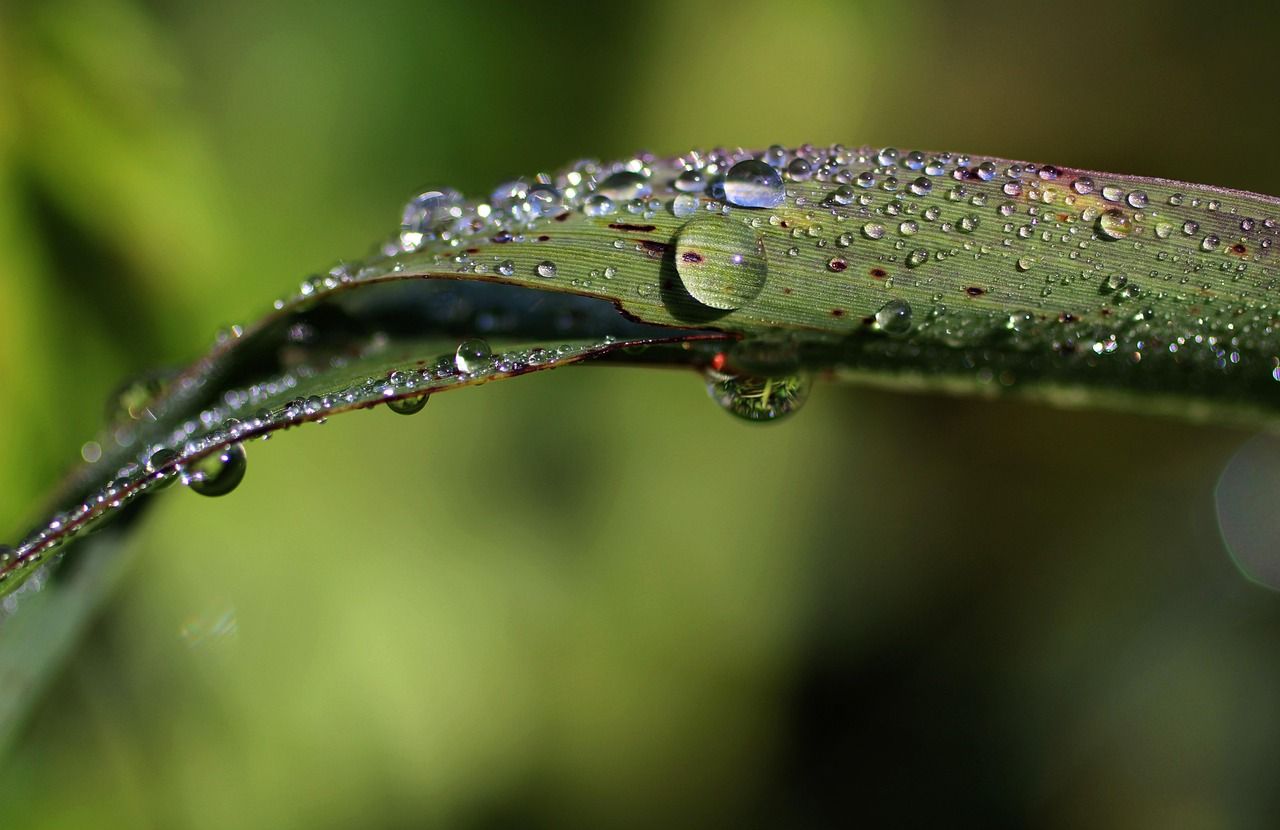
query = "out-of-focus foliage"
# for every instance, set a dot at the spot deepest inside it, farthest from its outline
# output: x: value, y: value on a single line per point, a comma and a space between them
x: 590, y: 597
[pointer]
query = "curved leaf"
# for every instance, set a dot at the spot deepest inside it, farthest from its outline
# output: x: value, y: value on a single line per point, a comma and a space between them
x: 915, y: 270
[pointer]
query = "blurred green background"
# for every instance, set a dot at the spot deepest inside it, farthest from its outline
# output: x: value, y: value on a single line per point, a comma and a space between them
x: 590, y: 598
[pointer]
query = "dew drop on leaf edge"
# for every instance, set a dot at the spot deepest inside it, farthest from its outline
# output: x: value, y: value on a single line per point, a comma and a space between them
x: 472, y: 355
x: 217, y: 474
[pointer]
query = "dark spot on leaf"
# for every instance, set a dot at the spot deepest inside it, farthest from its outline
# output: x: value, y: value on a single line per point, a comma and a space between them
x: 975, y: 291
x: 1238, y: 248
x: 654, y: 250
x: 472, y: 250
x: 622, y: 226
x: 879, y: 273
x: 691, y: 256
x: 502, y: 236
x: 786, y: 291
x: 544, y: 238
x: 837, y: 312
x: 560, y: 217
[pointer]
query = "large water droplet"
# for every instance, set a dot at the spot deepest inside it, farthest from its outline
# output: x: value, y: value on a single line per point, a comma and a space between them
x: 752, y: 183
x: 1113, y: 224
x: 894, y: 317
x: 625, y: 185
x: 759, y: 399
x: 218, y: 473
x: 721, y: 262
x: 425, y: 214
x: 472, y: 356
x: 409, y: 406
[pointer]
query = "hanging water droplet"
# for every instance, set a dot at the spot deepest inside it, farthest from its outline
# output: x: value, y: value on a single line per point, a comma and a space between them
x: 894, y: 317
x: 217, y: 473
x: 472, y: 356
x: 1113, y: 224
x: 752, y: 183
x: 721, y: 262
x: 409, y: 406
x: 759, y: 399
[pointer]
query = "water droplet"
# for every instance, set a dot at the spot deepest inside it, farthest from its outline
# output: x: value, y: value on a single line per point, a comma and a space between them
x: 506, y: 268
x: 1209, y: 243
x: 1025, y: 263
x: 1113, y: 224
x: 986, y: 171
x: 1116, y: 281
x: 683, y: 205
x: 690, y: 181
x: 472, y: 356
x: 158, y: 460
x: 408, y: 406
x: 425, y: 214
x: 597, y: 204
x: 217, y: 473
x: 625, y: 185
x: 921, y: 186
x: 721, y: 262
x: 1137, y: 199
x: 894, y: 317
x: 759, y: 399
x: 1083, y: 185
x: 917, y: 258
x: 873, y: 230
x: 752, y: 183
x: 800, y: 170
x: 546, y: 269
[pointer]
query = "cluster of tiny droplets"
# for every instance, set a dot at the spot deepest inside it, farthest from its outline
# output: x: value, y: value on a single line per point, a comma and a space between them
x: 911, y: 211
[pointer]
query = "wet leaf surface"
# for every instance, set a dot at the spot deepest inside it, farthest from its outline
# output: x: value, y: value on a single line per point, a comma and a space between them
x: 906, y: 269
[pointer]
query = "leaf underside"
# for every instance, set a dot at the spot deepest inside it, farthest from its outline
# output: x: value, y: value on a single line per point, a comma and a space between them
x: 909, y: 270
